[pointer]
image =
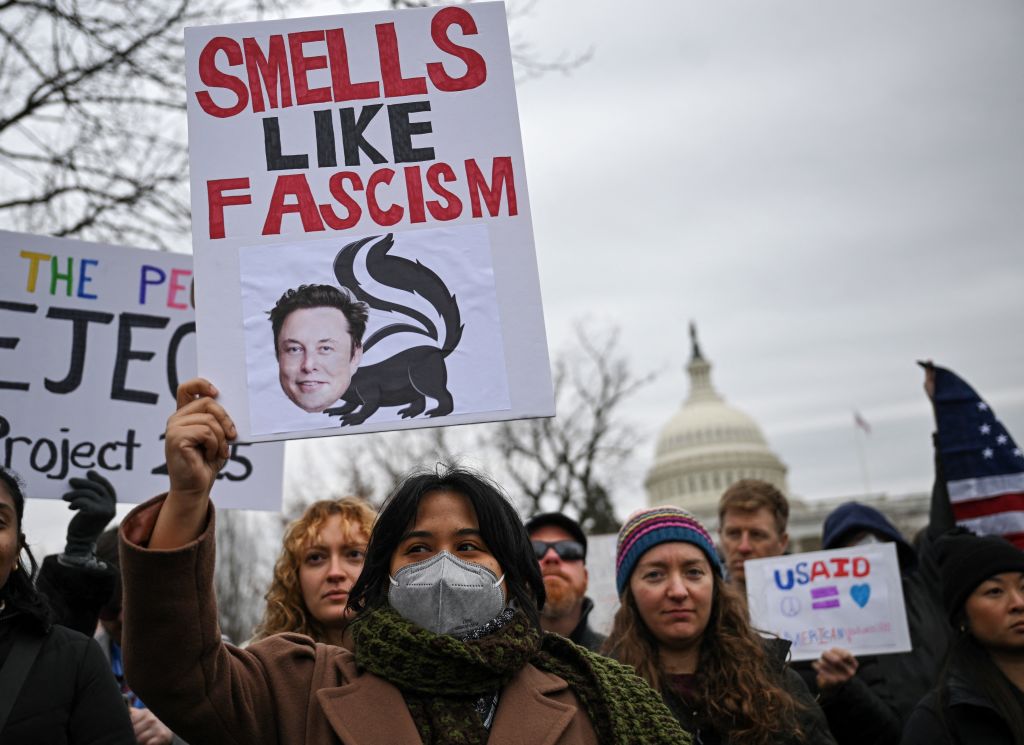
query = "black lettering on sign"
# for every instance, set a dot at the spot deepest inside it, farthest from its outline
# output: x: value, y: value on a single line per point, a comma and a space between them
x: 80, y: 320
x: 402, y: 131
x: 276, y: 160
x: 125, y: 354
x: 172, y: 353
x: 11, y: 342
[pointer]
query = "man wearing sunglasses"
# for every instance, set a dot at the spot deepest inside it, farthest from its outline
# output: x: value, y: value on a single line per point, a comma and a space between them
x: 561, y: 549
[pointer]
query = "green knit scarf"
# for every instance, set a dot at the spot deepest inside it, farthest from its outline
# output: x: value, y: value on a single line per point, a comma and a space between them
x: 442, y: 677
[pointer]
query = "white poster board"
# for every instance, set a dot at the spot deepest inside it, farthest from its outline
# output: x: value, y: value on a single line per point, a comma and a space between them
x: 601, y: 587
x: 376, y: 156
x: 94, y: 339
x: 849, y: 597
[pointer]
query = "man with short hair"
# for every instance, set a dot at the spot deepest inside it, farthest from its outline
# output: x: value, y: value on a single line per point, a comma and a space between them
x: 561, y: 548
x: 318, y: 340
x: 752, y: 518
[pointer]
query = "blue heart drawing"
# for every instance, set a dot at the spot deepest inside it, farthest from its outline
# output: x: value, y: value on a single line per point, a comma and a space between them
x: 861, y: 594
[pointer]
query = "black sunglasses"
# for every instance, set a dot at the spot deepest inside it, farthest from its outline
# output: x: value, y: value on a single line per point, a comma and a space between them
x: 566, y: 550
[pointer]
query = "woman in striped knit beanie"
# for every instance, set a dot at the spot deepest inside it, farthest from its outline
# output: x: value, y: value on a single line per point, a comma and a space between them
x: 686, y: 633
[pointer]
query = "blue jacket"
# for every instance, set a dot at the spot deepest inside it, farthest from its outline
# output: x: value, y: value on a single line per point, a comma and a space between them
x: 853, y: 517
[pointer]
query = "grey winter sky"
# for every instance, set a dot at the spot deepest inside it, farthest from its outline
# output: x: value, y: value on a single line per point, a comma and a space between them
x: 832, y: 190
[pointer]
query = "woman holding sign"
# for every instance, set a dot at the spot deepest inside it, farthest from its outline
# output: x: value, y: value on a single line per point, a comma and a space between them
x: 446, y: 645
x: 686, y: 633
x: 980, y: 696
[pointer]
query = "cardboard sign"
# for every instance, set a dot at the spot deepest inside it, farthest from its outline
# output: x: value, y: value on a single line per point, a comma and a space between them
x: 363, y: 173
x: 849, y: 597
x: 94, y: 340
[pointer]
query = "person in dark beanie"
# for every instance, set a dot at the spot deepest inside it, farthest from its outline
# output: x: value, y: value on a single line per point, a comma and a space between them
x: 561, y: 549
x: 980, y: 695
x: 870, y: 698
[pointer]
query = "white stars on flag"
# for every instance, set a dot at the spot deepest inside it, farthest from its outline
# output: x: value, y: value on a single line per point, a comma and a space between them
x: 987, y: 453
x: 982, y: 406
x: 1002, y: 439
x: 985, y: 429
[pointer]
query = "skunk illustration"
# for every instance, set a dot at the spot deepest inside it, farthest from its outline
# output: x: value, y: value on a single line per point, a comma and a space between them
x: 412, y: 375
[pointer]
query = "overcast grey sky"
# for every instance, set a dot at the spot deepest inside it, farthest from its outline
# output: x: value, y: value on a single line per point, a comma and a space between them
x: 832, y: 190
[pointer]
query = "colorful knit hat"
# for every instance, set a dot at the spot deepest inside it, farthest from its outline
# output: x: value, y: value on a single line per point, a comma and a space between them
x: 645, y: 529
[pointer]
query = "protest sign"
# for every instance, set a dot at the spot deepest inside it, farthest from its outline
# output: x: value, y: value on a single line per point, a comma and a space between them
x: 363, y: 170
x: 95, y: 339
x: 848, y: 597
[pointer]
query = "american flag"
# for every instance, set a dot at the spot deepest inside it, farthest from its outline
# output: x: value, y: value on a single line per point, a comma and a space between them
x: 983, y: 466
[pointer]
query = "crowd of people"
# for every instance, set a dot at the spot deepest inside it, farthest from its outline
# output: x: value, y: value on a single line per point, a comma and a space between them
x: 444, y: 618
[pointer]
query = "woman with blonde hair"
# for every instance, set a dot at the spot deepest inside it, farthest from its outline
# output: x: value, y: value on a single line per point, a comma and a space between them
x: 321, y: 558
x: 686, y: 633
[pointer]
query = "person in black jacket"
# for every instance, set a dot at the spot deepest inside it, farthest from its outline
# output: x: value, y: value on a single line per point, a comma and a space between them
x: 560, y: 546
x: 869, y: 698
x: 980, y: 696
x: 76, y: 583
x: 62, y: 690
x: 686, y: 633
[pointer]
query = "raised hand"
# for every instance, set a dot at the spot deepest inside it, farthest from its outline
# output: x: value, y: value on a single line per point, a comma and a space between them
x: 196, y: 446
x: 94, y: 500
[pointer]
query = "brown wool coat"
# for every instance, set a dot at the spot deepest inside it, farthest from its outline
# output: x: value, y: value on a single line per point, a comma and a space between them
x: 285, y: 689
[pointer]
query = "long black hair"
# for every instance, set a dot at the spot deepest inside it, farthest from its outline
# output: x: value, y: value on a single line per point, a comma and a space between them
x: 500, y: 527
x: 19, y: 593
x: 971, y: 662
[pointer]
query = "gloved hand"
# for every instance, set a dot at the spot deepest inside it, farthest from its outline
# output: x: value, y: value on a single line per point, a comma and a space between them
x: 95, y: 500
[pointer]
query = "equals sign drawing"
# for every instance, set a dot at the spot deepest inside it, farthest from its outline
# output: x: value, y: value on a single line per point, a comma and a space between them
x: 825, y: 597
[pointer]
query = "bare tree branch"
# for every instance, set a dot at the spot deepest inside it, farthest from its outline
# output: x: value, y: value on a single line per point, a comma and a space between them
x: 92, y: 132
x: 568, y: 463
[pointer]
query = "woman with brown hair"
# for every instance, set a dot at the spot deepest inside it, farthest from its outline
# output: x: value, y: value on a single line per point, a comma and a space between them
x: 446, y: 647
x: 321, y: 558
x: 686, y: 633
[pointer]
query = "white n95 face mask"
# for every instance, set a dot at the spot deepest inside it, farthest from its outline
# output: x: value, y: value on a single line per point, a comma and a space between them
x: 446, y: 594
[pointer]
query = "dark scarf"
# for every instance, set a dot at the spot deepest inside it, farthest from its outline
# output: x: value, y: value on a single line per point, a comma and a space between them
x: 442, y: 677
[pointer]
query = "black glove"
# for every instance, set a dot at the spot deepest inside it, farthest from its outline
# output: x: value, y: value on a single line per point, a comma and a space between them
x: 95, y: 500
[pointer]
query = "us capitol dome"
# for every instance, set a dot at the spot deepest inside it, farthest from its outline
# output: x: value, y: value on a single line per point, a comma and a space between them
x: 707, y: 446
